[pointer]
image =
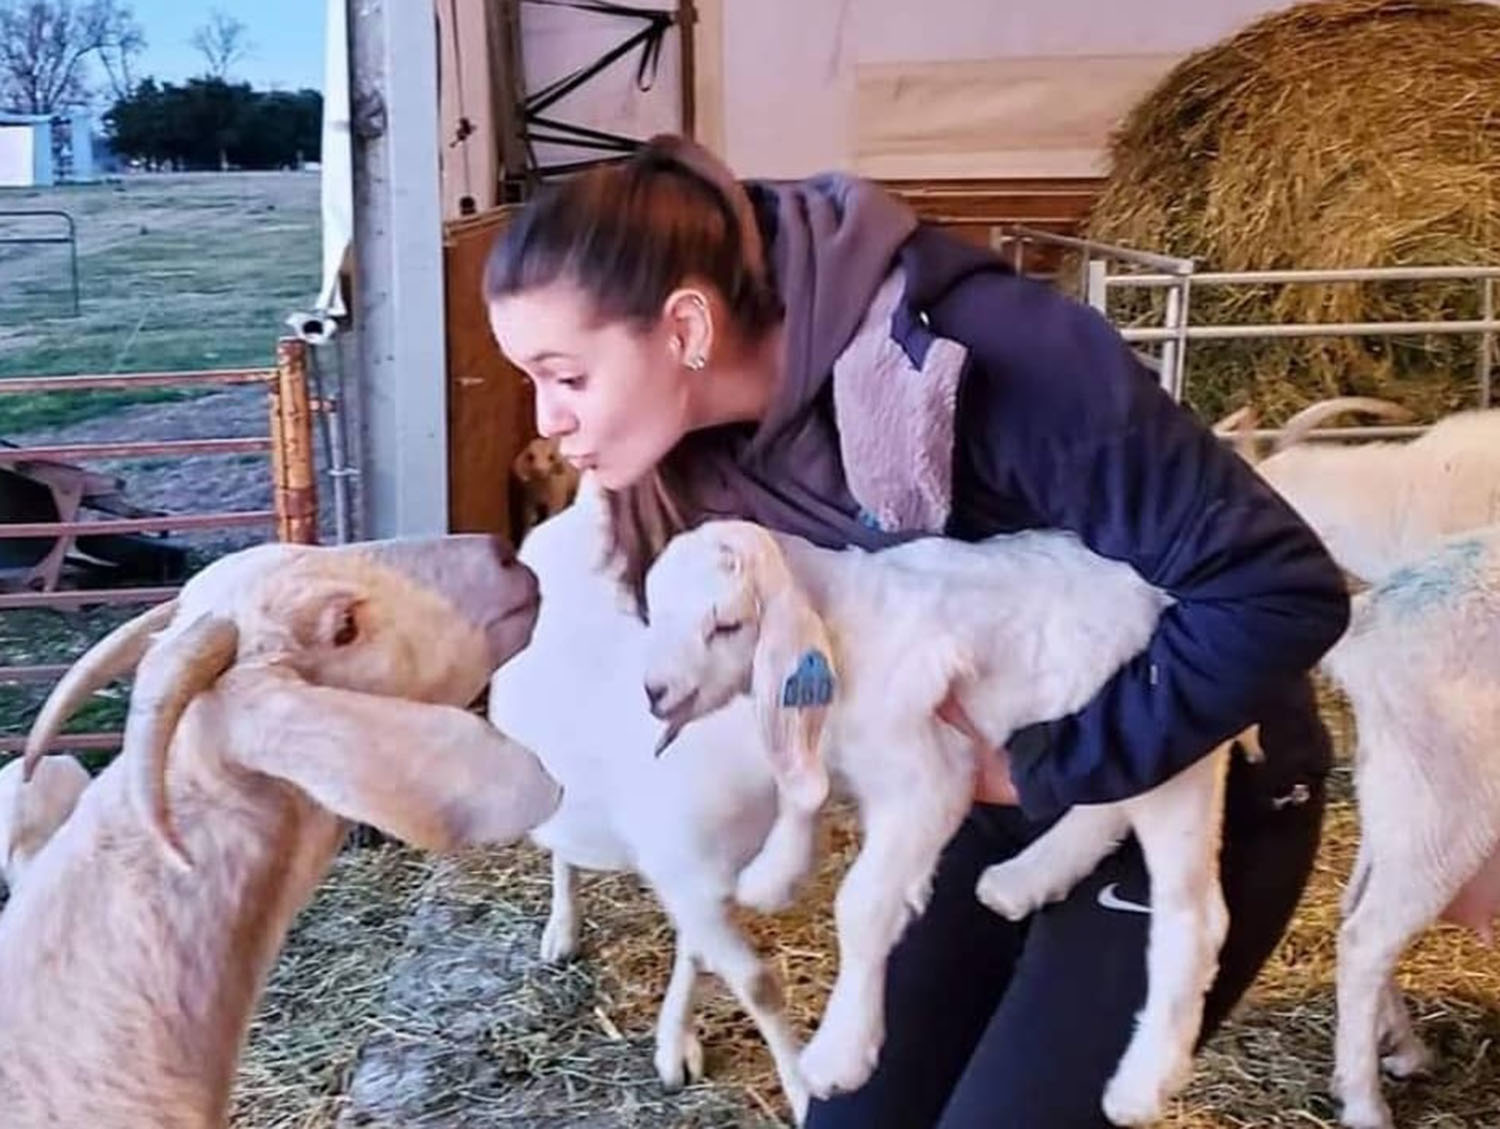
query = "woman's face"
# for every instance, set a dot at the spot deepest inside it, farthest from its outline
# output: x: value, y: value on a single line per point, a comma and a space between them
x: 616, y: 398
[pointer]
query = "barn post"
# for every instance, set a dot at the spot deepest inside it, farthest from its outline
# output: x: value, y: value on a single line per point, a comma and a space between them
x: 399, y: 355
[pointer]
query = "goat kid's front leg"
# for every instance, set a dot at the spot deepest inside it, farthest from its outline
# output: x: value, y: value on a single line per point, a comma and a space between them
x: 704, y: 930
x: 889, y: 882
x: 1178, y: 826
x: 770, y: 880
x: 560, y: 936
x: 679, y: 1054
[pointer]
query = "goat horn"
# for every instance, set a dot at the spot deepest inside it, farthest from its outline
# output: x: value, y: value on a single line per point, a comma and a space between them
x: 1234, y: 420
x: 111, y: 657
x: 1236, y: 427
x: 1309, y: 417
x: 170, y: 676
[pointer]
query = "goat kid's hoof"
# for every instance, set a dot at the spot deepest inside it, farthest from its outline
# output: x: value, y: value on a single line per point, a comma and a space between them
x: 1366, y: 1115
x: 1003, y: 889
x: 1361, y: 1108
x: 1139, y: 1096
x: 1410, y: 1061
x: 679, y: 1061
x: 835, y: 1065
x: 559, y: 941
x: 797, y: 1097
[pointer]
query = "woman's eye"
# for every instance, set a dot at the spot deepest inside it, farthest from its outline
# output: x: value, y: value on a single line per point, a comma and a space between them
x: 572, y: 381
x: 722, y: 629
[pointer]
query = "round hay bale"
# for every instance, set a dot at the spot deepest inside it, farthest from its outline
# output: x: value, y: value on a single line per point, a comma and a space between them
x: 1337, y: 133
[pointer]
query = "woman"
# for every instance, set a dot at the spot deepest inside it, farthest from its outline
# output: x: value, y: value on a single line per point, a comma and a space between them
x: 808, y: 355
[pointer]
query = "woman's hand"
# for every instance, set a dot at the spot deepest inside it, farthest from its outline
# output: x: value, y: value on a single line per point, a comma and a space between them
x: 992, y: 781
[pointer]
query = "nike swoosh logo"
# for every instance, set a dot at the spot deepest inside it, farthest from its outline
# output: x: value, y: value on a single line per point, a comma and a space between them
x: 1109, y: 898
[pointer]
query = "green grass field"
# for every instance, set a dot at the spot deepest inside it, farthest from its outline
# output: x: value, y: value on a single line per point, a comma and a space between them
x: 177, y: 272
x: 189, y: 271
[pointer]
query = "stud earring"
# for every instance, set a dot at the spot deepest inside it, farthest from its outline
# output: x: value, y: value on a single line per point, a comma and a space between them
x: 696, y: 362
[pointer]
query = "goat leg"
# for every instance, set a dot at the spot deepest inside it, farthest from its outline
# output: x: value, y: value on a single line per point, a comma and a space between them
x: 1178, y: 825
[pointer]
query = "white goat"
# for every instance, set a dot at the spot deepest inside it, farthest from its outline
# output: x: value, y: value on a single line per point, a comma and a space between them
x: 1378, y: 505
x: 30, y: 814
x: 687, y: 824
x: 1420, y: 664
x: 286, y: 690
x: 932, y: 644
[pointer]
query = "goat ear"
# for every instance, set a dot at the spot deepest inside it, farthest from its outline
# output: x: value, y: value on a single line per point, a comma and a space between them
x: 435, y: 776
x: 327, y: 615
x: 792, y: 686
x: 39, y: 808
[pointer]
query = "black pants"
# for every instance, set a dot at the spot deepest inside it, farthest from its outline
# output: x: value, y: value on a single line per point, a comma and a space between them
x: 995, y: 1025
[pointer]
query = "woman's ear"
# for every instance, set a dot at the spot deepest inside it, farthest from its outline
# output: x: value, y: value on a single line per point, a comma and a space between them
x: 690, y: 323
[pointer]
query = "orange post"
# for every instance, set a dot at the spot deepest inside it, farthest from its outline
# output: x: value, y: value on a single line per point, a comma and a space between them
x: 293, y: 473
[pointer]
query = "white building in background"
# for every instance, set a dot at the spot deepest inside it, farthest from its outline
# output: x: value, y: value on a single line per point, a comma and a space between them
x: 27, y: 148
x: 26, y: 151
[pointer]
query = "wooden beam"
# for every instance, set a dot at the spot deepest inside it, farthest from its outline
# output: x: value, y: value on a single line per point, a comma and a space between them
x: 703, y: 74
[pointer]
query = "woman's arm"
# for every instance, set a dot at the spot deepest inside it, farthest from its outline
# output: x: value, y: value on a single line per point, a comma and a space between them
x: 1059, y: 413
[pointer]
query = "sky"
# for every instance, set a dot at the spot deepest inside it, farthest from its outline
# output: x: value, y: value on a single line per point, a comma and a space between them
x: 286, y: 40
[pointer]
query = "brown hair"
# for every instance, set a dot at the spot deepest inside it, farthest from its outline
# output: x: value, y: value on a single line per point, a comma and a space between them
x: 626, y: 235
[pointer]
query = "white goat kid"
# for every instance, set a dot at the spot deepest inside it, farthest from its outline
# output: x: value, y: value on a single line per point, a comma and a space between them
x: 933, y: 644
x: 287, y: 690
x: 1420, y: 663
x: 1379, y: 504
x: 30, y: 814
x: 687, y: 824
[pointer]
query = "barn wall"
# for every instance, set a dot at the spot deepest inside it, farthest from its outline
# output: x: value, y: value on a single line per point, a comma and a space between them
x: 940, y: 88
x: 559, y: 40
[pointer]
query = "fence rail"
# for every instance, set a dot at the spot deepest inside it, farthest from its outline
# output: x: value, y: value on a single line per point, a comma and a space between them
x: 293, y: 516
x: 25, y: 385
x: 70, y: 240
x: 1104, y: 267
x: 10, y: 456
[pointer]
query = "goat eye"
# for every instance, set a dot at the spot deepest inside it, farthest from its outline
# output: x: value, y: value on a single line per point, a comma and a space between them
x: 348, y: 630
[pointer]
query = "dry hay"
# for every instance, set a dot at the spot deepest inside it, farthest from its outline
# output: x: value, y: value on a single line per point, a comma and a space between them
x: 464, y: 1027
x: 1337, y: 133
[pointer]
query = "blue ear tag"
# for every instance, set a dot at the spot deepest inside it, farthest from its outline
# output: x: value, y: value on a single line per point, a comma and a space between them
x: 811, y: 684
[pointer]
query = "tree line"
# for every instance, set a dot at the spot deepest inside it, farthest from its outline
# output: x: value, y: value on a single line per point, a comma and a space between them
x: 207, y: 123
x: 48, y: 52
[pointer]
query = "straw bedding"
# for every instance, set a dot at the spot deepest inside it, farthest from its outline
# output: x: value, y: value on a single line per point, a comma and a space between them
x: 410, y: 995
x: 1337, y: 133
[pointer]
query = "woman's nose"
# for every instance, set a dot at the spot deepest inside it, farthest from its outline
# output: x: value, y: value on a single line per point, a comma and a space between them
x: 551, y: 421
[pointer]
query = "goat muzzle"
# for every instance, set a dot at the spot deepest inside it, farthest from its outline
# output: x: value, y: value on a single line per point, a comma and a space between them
x: 478, y: 574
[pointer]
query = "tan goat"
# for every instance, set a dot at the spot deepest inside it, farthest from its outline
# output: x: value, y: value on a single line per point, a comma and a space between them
x: 287, y: 690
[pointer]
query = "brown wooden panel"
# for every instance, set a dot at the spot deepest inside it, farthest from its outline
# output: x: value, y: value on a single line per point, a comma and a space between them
x: 972, y: 209
x: 490, y: 416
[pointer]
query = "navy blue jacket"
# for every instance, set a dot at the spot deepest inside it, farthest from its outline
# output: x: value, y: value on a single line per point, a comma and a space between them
x: 1060, y: 425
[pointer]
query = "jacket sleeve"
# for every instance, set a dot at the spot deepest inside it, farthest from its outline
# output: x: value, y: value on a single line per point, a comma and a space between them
x: 1067, y: 418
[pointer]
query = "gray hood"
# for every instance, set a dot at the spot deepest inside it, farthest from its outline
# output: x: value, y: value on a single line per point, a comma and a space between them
x: 830, y: 242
